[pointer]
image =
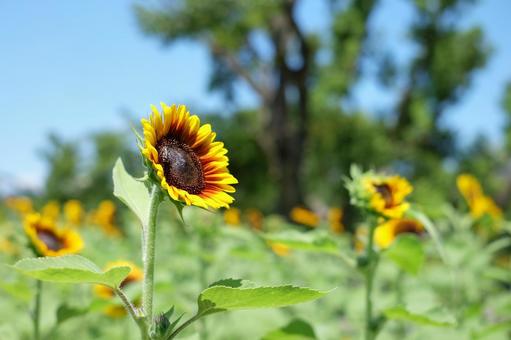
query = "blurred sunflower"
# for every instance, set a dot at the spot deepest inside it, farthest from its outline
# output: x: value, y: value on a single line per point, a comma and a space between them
x: 304, y: 216
x: 232, y: 217
x: 279, y: 249
x: 255, y: 218
x: 21, y: 205
x: 387, y: 195
x: 51, y: 210
x: 485, y: 205
x: 478, y: 203
x: 335, y: 220
x: 74, y: 212
x: 8, y: 247
x: 189, y: 164
x: 469, y: 187
x: 387, y: 232
x: 47, y: 240
x: 107, y: 293
x: 104, y: 217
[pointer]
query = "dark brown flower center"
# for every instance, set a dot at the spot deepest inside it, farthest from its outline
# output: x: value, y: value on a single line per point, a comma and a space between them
x: 386, y: 193
x: 52, y: 241
x: 408, y: 227
x: 181, y: 166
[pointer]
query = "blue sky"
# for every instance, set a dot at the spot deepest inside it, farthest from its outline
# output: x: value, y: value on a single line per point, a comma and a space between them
x: 71, y: 67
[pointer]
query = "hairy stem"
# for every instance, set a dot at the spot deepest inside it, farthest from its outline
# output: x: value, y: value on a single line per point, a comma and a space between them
x: 132, y: 310
x: 148, y: 253
x: 372, y: 262
x: 37, y: 309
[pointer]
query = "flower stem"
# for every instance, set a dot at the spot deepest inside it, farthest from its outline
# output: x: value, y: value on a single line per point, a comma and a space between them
x: 372, y: 263
x: 37, y: 309
x: 148, y: 254
x: 135, y: 315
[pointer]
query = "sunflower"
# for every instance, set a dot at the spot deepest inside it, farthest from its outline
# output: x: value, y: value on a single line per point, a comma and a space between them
x: 21, y: 205
x: 104, y: 292
x: 104, y: 217
x: 279, y: 249
x: 304, y: 216
x: 386, y: 233
x: 232, y: 217
x: 8, y: 247
x: 478, y: 203
x: 73, y: 211
x: 47, y: 240
x: 255, y: 218
x: 469, y: 187
x: 387, y: 195
x: 190, y: 165
x: 335, y: 220
x: 485, y: 205
x: 51, y: 210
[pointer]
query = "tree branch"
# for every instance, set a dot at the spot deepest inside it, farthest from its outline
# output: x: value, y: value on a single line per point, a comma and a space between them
x: 239, y: 69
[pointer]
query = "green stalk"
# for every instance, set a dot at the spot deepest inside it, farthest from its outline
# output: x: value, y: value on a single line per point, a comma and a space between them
x: 148, y: 254
x: 37, y: 309
x: 133, y: 312
x: 372, y: 262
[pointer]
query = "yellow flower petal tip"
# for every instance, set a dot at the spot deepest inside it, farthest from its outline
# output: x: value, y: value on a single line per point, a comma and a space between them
x: 386, y: 233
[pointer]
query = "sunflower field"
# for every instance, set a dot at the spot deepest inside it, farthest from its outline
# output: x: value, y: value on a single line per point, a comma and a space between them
x: 295, y: 214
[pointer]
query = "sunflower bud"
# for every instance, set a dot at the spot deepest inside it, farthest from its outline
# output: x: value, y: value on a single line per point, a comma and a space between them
x: 160, y: 326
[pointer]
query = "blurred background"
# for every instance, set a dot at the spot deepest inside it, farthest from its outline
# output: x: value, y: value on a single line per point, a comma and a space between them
x: 297, y: 90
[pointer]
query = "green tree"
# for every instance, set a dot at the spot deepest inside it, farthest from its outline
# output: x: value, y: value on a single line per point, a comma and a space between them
x: 442, y: 69
x: 281, y: 80
x: 63, y: 169
x: 302, y: 79
x: 83, y: 169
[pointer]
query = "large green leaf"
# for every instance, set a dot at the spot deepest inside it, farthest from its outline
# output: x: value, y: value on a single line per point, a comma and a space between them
x: 131, y: 192
x: 431, y: 319
x: 297, y: 329
x: 407, y: 252
x: 71, y: 269
x: 234, y: 294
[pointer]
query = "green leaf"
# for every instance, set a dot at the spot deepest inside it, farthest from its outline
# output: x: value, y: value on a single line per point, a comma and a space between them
x: 492, y: 329
x: 497, y: 273
x: 400, y: 313
x: 131, y: 192
x: 18, y: 290
x: 234, y: 294
x: 70, y: 269
x: 297, y: 329
x: 65, y: 312
x: 407, y: 253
